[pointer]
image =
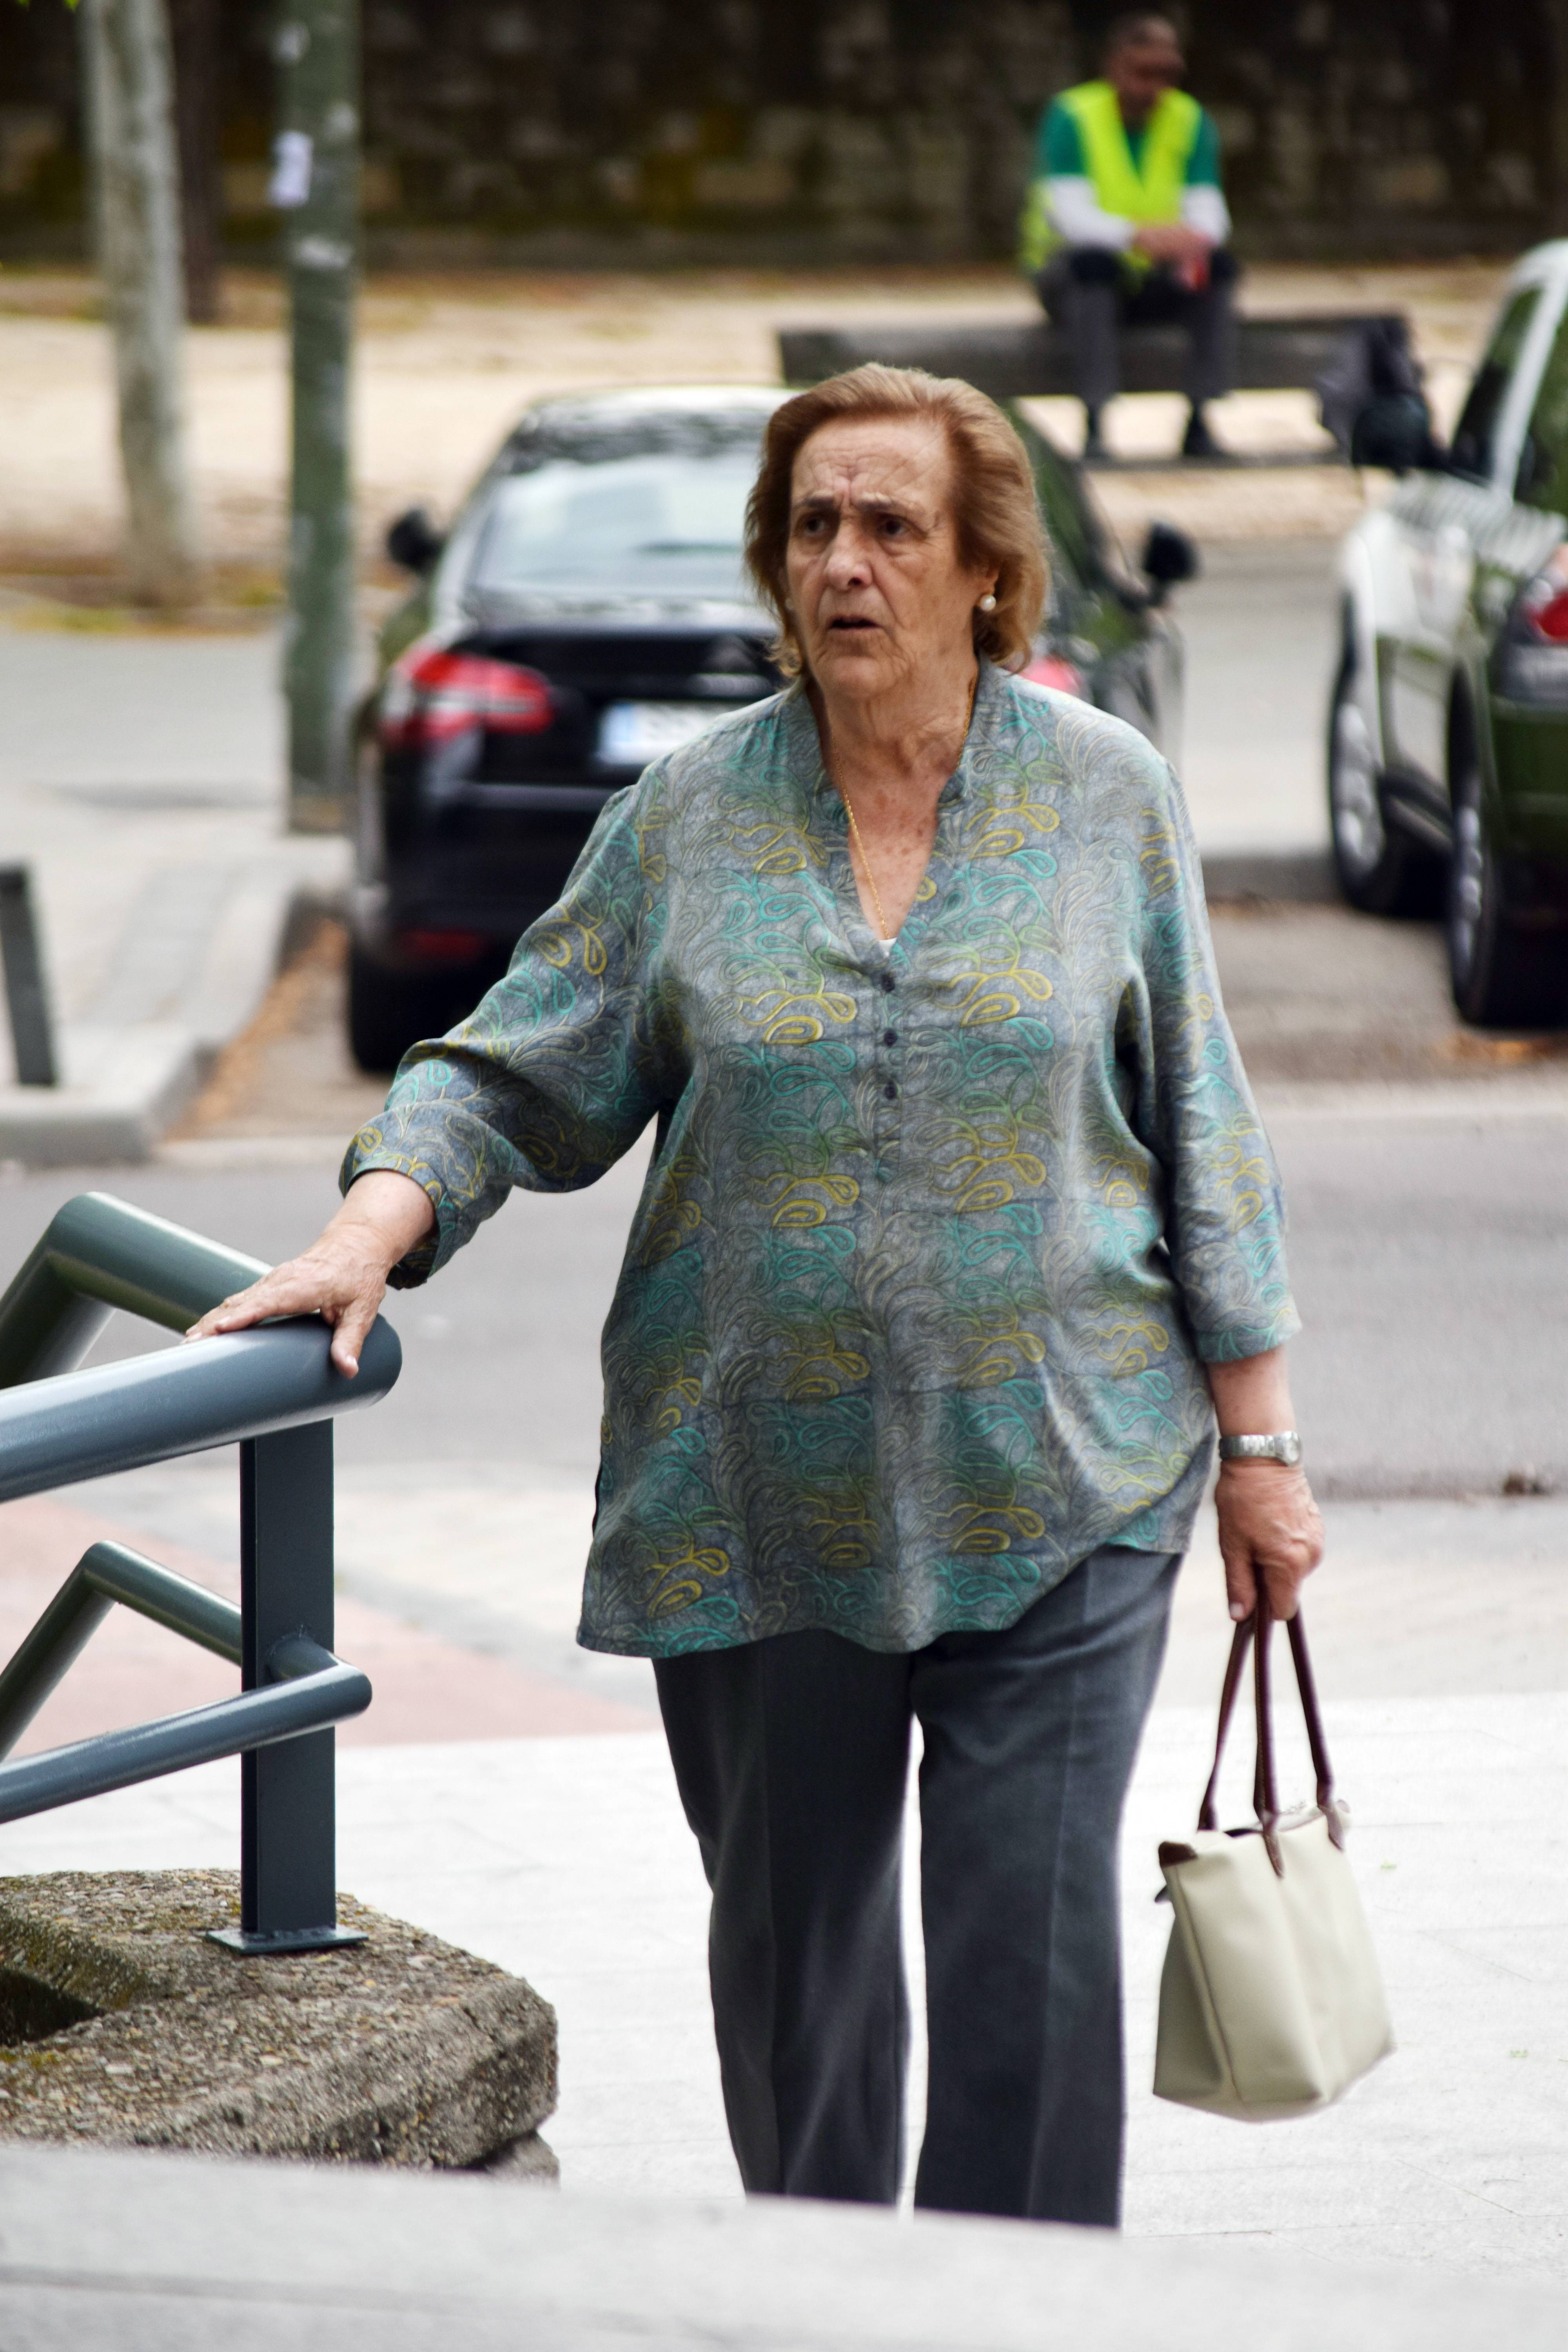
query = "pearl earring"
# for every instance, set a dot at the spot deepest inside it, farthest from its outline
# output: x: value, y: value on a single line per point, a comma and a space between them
x: 988, y: 602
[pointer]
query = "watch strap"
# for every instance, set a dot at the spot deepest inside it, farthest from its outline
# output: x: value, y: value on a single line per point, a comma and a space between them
x: 1282, y: 1445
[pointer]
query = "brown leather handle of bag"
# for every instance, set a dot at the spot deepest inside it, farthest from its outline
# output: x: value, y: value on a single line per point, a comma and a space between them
x: 1239, y: 1643
x: 1256, y: 1629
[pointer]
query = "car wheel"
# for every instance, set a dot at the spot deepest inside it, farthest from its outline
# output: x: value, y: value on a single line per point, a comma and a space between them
x: 1503, y: 977
x: 1381, y: 869
x: 390, y: 1009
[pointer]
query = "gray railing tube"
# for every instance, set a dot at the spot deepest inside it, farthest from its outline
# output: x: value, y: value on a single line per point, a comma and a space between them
x: 98, y: 1253
x: 275, y: 1390
x: 183, y: 1400
x: 309, y: 1701
x: 105, y: 1573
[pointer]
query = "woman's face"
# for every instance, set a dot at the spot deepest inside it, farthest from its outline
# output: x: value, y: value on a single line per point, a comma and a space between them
x: 881, y: 600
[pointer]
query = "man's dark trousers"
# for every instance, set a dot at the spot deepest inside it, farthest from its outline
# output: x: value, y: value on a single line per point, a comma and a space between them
x: 791, y: 1757
x: 1089, y: 291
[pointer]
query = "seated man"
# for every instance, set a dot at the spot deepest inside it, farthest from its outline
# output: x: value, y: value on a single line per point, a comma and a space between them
x: 1126, y: 221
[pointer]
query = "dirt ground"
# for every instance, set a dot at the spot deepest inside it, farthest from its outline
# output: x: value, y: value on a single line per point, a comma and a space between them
x: 290, y: 1072
x: 444, y: 365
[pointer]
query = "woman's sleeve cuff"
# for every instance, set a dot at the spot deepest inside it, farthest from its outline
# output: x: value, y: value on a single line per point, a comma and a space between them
x: 1233, y: 1343
x: 423, y: 1259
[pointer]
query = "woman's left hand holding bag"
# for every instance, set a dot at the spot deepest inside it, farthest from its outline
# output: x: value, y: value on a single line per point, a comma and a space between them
x: 1269, y: 1523
x: 1268, y: 1527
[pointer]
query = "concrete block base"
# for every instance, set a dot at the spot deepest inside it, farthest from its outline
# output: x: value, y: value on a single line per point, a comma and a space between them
x: 122, y: 2024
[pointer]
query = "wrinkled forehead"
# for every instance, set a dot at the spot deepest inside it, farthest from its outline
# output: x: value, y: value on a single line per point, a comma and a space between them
x: 875, y: 460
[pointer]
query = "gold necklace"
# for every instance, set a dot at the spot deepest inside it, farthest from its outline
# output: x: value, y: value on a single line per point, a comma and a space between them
x: 883, y: 933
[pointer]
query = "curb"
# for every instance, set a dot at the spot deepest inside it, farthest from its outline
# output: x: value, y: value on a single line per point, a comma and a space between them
x: 124, y: 1087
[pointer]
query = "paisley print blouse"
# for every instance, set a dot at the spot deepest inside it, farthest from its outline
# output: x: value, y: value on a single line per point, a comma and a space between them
x: 933, y: 1238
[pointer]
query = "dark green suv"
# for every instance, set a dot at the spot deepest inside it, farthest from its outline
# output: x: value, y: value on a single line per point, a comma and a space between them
x: 1448, y: 728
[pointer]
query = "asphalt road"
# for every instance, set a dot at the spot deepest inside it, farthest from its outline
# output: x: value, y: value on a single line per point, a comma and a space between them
x: 1429, y: 1249
x: 1259, y: 625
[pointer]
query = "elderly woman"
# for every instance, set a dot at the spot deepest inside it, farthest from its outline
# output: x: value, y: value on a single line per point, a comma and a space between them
x: 960, y: 1231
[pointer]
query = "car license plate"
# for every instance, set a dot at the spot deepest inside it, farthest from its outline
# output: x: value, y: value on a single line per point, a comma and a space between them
x: 633, y: 733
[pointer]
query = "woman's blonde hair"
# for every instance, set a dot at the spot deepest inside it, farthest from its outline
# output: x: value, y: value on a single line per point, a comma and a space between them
x: 995, y: 509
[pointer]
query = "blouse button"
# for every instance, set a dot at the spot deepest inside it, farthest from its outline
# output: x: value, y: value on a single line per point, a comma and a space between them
x: 889, y: 983
x: 891, y: 1092
x: 890, y: 1036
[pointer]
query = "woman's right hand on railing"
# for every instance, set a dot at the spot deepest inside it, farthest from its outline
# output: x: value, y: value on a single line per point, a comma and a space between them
x: 341, y: 1277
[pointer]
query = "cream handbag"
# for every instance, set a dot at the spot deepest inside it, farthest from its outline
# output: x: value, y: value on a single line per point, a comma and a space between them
x: 1270, y: 2003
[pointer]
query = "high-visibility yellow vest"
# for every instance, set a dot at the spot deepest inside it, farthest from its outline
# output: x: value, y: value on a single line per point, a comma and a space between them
x: 1146, y: 191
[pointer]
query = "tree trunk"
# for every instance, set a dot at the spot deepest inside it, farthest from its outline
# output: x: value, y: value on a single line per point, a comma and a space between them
x: 136, y: 194
x: 1555, y: 14
x: 192, y: 25
x: 315, y: 182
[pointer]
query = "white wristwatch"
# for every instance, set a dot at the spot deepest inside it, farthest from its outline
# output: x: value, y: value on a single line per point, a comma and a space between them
x: 1284, y: 1445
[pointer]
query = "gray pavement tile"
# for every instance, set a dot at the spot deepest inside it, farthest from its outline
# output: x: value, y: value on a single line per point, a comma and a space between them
x: 645, y: 2053
x: 1488, y: 2245
x: 676, y: 2168
x: 636, y: 2114
x: 1285, y: 2198
x: 1536, y: 1955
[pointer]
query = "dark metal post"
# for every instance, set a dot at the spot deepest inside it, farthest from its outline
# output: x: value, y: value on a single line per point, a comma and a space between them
x: 23, y: 968
x: 316, y: 184
x: 287, y: 1825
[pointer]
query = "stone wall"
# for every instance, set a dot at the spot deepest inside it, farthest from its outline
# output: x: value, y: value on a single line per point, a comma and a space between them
x: 731, y: 129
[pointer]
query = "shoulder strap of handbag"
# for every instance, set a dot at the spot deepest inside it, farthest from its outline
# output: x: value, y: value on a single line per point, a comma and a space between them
x: 1259, y: 1627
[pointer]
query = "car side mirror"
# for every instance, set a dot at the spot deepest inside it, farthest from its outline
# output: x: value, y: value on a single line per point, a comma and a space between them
x: 414, y: 543
x: 1393, y: 433
x: 1169, y: 557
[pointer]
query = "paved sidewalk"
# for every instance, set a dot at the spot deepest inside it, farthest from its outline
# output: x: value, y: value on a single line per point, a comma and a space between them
x: 568, y: 1860
x: 141, y: 781
x: 1441, y: 1638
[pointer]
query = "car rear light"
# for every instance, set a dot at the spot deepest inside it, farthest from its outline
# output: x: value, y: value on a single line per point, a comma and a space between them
x: 1050, y: 669
x: 428, y: 945
x: 1548, y: 620
x: 1532, y: 652
x: 433, y: 694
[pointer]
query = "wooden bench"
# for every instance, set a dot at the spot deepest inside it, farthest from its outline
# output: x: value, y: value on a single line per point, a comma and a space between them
x: 1014, y: 362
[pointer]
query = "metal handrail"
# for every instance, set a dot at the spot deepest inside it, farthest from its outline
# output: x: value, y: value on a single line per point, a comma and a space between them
x: 183, y: 1400
x: 105, y: 1573
x: 324, y: 1690
x: 275, y: 1390
x: 311, y: 1691
x: 98, y: 1253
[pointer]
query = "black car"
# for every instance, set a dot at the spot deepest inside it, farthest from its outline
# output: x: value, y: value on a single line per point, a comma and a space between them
x: 586, y: 614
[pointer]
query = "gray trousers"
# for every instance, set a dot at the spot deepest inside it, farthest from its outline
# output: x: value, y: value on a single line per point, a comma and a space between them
x: 791, y: 1758
x: 1089, y: 295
